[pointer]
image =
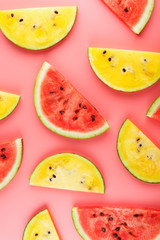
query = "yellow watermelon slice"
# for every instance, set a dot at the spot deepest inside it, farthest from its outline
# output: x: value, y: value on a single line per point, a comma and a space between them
x: 8, y: 103
x: 68, y: 171
x: 37, y: 28
x: 138, y: 154
x: 41, y: 227
x: 125, y: 70
x: 134, y: 13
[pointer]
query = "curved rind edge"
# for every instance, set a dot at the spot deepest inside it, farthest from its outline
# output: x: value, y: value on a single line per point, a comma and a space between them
x: 49, y: 45
x: 153, y: 107
x: 118, y: 152
x: 52, y: 127
x: 79, y: 156
x: 16, y: 166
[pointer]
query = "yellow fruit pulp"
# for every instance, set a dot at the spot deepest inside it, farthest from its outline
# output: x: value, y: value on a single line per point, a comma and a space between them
x: 125, y: 70
x: 37, y: 28
x: 8, y: 102
x: 40, y: 227
x: 138, y: 154
x: 68, y: 171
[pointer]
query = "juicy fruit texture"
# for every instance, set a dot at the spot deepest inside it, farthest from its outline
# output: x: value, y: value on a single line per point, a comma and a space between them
x: 116, y: 223
x: 41, y: 227
x: 10, y: 159
x: 135, y: 14
x: 68, y: 171
x: 125, y: 70
x: 138, y: 154
x: 63, y: 109
x: 154, y: 110
x: 8, y: 103
x: 37, y: 28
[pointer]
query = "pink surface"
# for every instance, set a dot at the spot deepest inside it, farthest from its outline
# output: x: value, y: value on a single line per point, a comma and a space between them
x: 96, y: 26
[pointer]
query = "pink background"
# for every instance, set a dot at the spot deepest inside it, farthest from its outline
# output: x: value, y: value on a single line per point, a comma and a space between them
x: 95, y: 26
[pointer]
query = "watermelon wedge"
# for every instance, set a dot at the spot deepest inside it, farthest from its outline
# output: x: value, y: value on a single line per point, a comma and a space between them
x: 41, y: 227
x: 8, y: 103
x: 134, y: 13
x: 10, y: 159
x: 138, y: 154
x: 125, y: 70
x: 68, y: 171
x: 101, y: 223
x: 37, y: 28
x: 63, y: 109
x: 154, y: 110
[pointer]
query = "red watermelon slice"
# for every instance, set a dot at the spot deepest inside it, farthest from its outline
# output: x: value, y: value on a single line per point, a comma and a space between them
x: 105, y: 223
x: 10, y: 159
x: 154, y: 110
x: 63, y: 109
x: 134, y: 13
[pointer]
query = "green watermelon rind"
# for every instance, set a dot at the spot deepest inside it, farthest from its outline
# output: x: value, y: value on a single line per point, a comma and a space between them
x: 49, y: 45
x: 59, y: 154
x: 118, y: 151
x: 153, y: 107
x: 77, y: 224
x: 52, y: 127
x: 113, y: 86
x: 145, y: 17
x: 16, y: 166
x: 11, y: 110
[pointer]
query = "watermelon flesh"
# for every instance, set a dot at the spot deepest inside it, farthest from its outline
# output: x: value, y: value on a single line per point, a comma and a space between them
x: 63, y: 109
x: 154, y: 110
x: 117, y: 223
x: 134, y: 13
x: 10, y: 158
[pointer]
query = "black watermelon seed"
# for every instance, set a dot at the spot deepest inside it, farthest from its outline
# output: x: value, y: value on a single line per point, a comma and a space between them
x: 124, y: 70
x: 115, y: 235
x: 75, y: 118
x: 94, y: 214
x: 104, y: 52
x: 21, y: 20
x: 49, y: 232
x: 102, y: 214
x: 110, y: 219
x: 51, y: 92
x: 140, y: 145
x: 117, y: 229
x: 119, y: 238
x: 34, y: 26
x: 130, y: 233
x: 77, y: 111
x: 109, y: 59
x: 84, y: 107
x: 3, y: 149
x: 125, y: 224
x: 54, y: 176
x: 61, y: 88
x: 136, y: 215
x: 61, y: 112
x: 145, y: 60
x: 12, y: 15
x: 103, y: 229
x: 50, y: 179
x: 80, y: 105
x: 93, y: 118
x: 138, y: 139
x: 50, y: 167
x: 56, y: 12
x: 3, y: 156
x: 36, y: 234
x: 126, y: 10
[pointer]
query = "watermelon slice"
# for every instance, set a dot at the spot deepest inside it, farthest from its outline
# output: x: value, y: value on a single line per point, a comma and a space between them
x: 125, y: 70
x: 10, y: 159
x: 138, y: 154
x: 41, y: 227
x: 63, y: 109
x: 103, y: 223
x: 8, y: 103
x: 154, y: 110
x: 68, y: 171
x: 37, y: 28
x: 134, y: 13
